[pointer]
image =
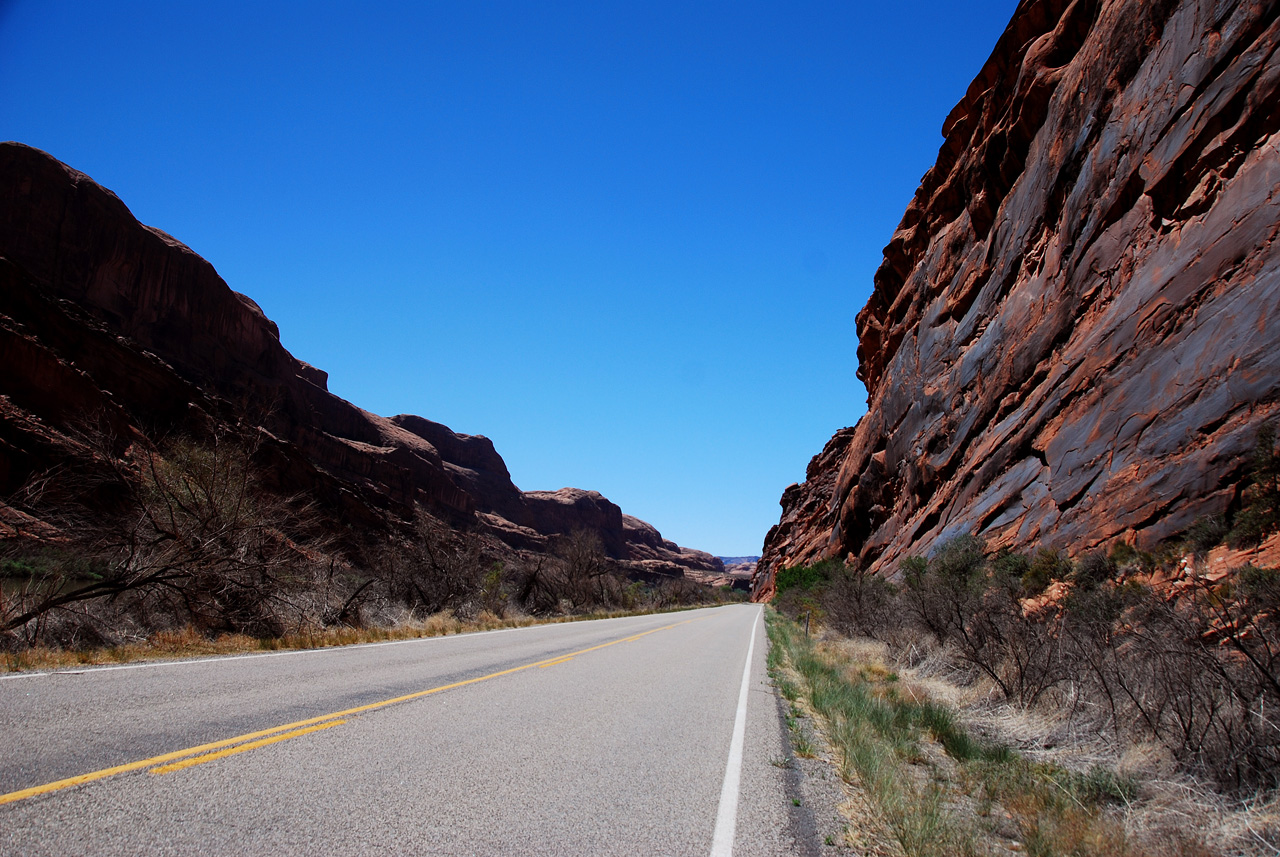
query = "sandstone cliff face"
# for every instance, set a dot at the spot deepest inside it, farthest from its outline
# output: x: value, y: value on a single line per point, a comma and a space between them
x: 1075, y: 333
x: 115, y: 329
x: 645, y: 545
x: 809, y: 514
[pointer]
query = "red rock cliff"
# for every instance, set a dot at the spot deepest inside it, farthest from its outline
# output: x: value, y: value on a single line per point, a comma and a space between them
x: 1075, y: 332
x: 107, y: 322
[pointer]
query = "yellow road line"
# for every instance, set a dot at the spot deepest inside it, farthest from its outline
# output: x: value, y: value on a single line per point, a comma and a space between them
x: 543, y: 666
x: 295, y: 727
x: 252, y: 745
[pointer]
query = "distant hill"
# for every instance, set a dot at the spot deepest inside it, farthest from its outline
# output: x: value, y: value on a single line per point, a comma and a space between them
x: 740, y: 568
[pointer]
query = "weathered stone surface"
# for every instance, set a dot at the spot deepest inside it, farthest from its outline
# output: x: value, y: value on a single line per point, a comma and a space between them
x: 569, y: 509
x: 113, y: 329
x: 739, y: 571
x: 808, y: 514
x: 1075, y: 332
x: 644, y: 542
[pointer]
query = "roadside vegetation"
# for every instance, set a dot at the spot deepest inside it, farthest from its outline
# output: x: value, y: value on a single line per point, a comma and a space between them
x: 187, y: 642
x: 183, y: 549
x: 938, y: 789
x: 1124, y: 702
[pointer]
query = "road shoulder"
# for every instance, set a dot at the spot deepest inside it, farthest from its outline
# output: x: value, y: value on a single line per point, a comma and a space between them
x: 788, y: 805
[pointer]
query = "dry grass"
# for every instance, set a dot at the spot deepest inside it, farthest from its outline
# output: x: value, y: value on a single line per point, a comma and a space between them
x: 1166, y: 814
x: 1169, y: 814
x: 190, y: 643
x: 866, y: 832
x: 996, y: 779
x: 875, y: 741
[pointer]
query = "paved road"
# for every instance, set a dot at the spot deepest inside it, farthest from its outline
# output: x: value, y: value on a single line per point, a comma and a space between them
x: 608, y: 737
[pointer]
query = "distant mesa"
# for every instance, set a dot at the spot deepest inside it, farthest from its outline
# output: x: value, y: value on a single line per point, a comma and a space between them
x: 740, y: 570
x: 1074, y: 336
x: 110, y: 325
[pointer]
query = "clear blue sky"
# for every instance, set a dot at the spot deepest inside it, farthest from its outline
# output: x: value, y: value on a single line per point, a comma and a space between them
x: 626, y: 241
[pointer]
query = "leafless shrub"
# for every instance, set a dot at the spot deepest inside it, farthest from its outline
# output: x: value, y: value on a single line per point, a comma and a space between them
x: 1196, y: 669
x: 1194, y: 666
x: 585, y: 570
x: 577, y: 577
x: 974, y: 604
x: 192, y: 535
x: 188, y: 535
x: 675, y: 592
x: 862, y: 604
x: 437, y: 569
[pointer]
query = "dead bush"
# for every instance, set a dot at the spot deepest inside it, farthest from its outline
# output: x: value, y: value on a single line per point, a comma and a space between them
x: 1193, y: 666
x: 193, y: 533
x: 578, y: 576
x: 437, y: 569
x: 860, y: 604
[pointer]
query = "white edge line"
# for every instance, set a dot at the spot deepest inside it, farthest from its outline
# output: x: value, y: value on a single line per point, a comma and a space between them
x: 213, y: 659
x: 727, y: 816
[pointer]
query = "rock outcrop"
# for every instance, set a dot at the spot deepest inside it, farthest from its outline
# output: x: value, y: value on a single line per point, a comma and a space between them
x: 649, y: 550
x: 112, y: 332
x: 1075, y: 332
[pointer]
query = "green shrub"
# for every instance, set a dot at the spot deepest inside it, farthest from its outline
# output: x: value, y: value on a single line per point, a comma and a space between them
x: 17, y: 568
x: 1261, y: 513
x: 805, y: 576
x: 1047, y: 566
x: 913, y: 568
x: 1094, y: 568
x: 1126, y: 556
x: 1007, y: 567
x: 960, y: 560
x: 1251, y: 527
x: 1206, y: 533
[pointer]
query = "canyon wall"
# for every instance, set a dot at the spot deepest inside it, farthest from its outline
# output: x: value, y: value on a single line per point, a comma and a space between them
x: 113, y: 333
x: 1075, y: 332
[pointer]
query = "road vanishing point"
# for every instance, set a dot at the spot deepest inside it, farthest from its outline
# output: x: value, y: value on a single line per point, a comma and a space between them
x: 647, y: 735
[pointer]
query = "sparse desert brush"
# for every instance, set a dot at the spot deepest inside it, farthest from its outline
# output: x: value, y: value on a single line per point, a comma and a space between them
x: 193, y: 533
x: 189, y: 641
x: 934, y: 785
x: 1001, y: 779
x: 1190, y: 662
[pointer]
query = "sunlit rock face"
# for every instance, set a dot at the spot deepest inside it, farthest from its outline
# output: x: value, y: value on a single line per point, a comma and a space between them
x: 113, y: 334
x: 1075, y: 332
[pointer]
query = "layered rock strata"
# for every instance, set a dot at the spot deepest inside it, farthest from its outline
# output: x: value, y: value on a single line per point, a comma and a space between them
x: 1075, y: 332
x: 112, y: 332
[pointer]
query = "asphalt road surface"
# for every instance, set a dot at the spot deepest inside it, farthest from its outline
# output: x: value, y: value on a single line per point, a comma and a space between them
x: 605, y: 737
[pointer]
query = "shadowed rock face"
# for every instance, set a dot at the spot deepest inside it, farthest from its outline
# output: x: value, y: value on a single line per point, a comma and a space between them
x: 114, y: 327
x: 1075, y: 333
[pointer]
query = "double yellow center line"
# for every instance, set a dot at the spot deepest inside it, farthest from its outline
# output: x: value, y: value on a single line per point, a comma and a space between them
x: 180, y: 759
